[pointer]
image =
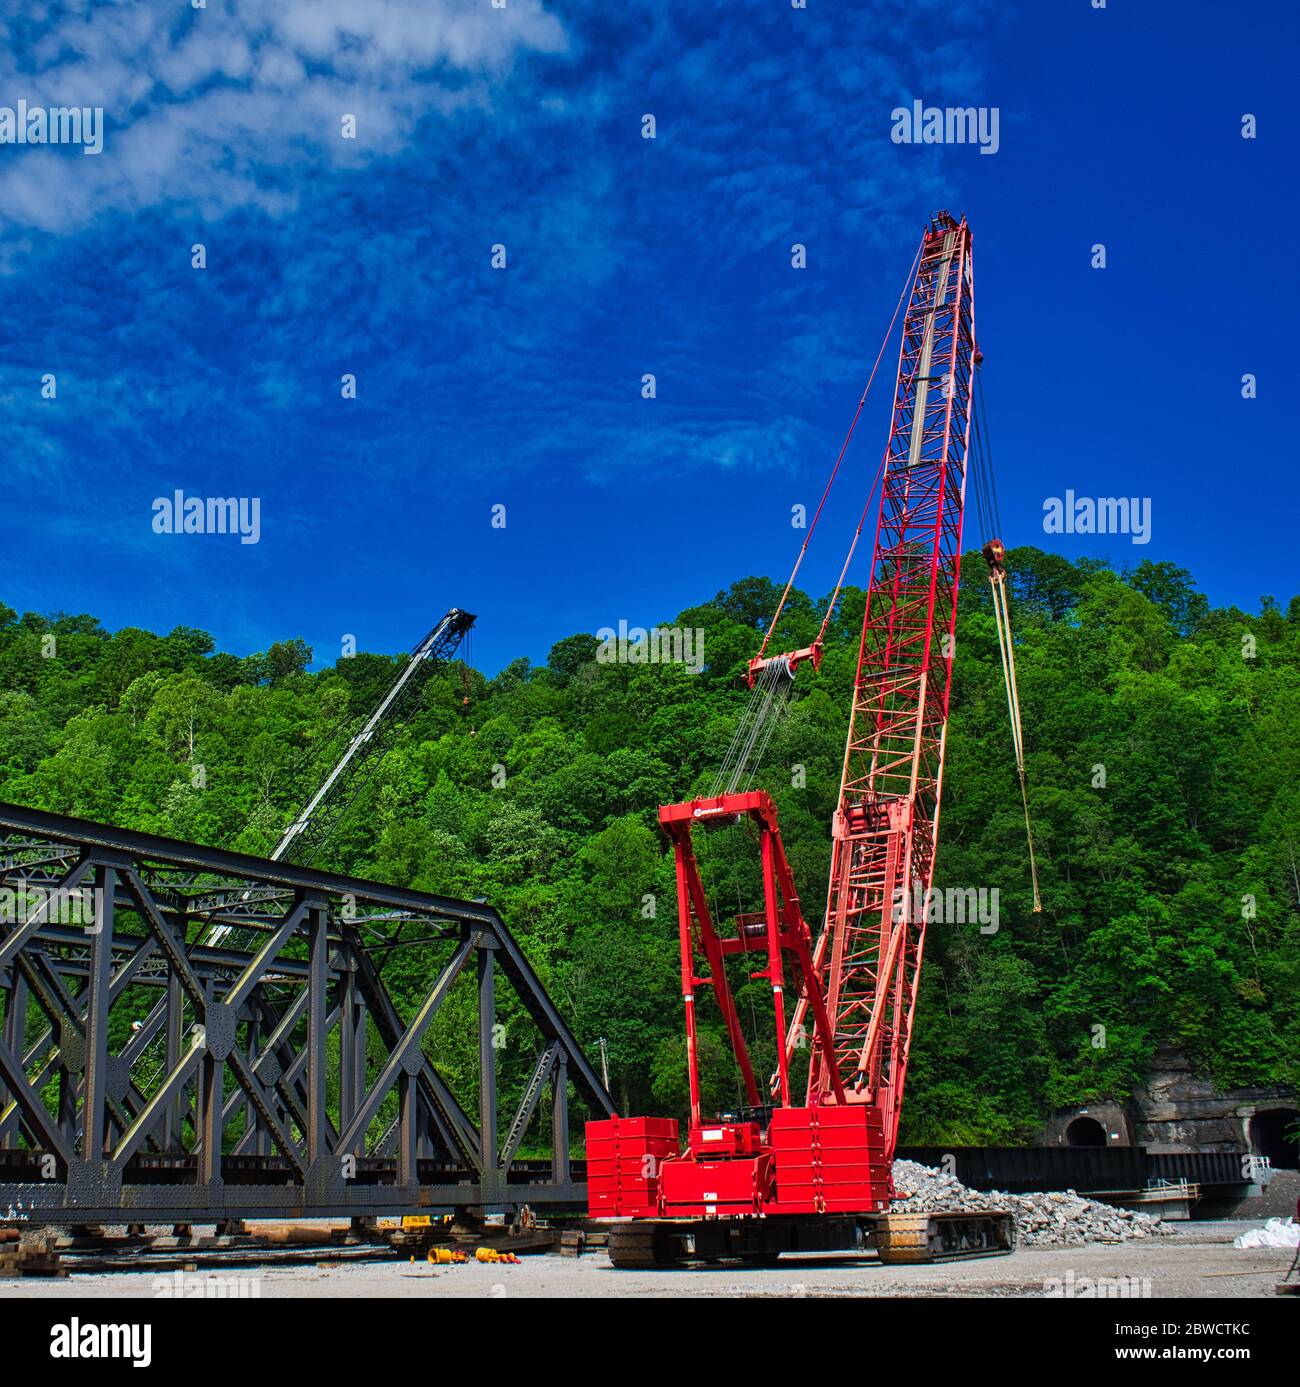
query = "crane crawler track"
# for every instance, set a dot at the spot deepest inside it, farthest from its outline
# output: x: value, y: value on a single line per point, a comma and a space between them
x: 948, y: 1237
x: 898, y: 1239
x: 636, y: 1247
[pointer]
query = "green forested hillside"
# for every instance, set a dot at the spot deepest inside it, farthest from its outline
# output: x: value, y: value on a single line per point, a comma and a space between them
x: 1172, y: 893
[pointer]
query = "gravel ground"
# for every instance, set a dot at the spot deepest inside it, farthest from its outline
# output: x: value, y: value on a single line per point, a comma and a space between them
x: 1190, y: 1262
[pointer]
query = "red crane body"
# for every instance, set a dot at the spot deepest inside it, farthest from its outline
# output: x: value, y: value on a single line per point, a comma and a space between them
x: 830, y: 1150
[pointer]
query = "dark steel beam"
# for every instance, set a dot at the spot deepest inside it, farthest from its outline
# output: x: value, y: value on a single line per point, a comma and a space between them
x: 195, y: 857
x: 352, y: 1138
x: 487, y: 1065
x: 99, y: 1000
x: 542, y: 1071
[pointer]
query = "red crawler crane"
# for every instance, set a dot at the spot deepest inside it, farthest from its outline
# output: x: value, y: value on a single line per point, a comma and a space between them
x: 816, y: 1173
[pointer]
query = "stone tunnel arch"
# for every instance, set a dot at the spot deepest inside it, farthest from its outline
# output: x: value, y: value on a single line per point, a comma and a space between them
x: 1085, y: 1131
x: 1268, y: 1137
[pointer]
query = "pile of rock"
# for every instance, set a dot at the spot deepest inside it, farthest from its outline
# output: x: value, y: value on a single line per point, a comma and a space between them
x: 1059, y: 1219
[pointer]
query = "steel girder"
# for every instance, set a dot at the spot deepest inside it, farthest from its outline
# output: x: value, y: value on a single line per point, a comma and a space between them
x: 145, y: 1076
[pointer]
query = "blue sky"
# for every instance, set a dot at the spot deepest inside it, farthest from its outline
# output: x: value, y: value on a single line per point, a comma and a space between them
x: 521, y: 387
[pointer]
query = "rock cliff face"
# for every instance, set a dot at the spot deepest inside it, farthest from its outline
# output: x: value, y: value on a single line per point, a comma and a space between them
x: 1178, y: 1110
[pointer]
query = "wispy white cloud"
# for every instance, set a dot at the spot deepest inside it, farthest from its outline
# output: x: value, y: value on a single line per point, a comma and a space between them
x: 477, y: 125
x: 233, y: 105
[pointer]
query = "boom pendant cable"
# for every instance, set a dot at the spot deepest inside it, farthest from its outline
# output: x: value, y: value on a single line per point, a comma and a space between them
x: 769, y: 700
x: 771, y: 680
x: 830, y: 481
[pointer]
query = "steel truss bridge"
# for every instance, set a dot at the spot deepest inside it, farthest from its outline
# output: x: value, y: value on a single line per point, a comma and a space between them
x: 149, y: 1076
